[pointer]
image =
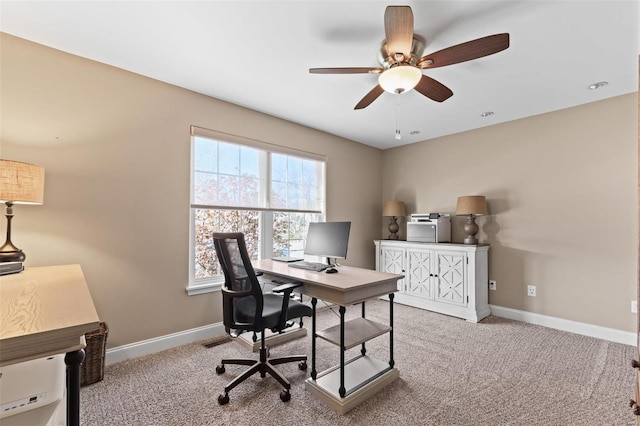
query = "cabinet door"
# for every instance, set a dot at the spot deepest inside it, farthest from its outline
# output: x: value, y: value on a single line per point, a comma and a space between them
x: 392, y: 261
x: 450, y: 271
x: 418, y: 280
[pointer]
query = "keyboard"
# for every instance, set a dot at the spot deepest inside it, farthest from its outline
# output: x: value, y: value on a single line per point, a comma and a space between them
x: 309, y: 266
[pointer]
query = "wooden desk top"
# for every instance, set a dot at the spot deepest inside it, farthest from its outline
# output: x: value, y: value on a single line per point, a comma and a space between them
x: 44, y: 311
x: 349, y: 285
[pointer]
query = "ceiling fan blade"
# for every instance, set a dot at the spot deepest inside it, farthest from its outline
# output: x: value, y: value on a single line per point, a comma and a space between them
x: 433, y: 89
x: 463, y: 52
x: 398, y: 28
x: 370, y: 97
x: 353, y: 70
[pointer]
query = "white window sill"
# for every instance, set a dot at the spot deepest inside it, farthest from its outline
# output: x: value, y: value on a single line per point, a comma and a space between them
x: 202, y: 288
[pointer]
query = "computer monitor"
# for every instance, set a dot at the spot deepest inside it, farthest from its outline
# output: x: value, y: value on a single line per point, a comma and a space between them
x: 328, y: 239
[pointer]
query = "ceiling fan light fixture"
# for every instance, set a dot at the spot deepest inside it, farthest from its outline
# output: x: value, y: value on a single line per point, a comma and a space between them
x: 400, y: 78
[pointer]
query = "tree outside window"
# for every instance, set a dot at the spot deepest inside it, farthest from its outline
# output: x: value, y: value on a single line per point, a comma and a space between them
x: 268, y: 195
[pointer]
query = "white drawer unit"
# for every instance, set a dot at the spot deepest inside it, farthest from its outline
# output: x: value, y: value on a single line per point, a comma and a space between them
x: 448, y: 278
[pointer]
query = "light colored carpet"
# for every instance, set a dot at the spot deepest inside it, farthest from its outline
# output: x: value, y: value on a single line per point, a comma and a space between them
x: 497, y: 372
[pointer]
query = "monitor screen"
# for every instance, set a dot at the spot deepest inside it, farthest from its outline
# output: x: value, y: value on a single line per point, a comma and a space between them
x: 328, y: 239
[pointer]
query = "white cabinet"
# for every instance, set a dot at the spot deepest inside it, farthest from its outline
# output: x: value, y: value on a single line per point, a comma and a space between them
x: 447, y: 278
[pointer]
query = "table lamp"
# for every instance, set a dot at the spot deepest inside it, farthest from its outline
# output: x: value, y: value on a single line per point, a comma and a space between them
x: 393, y: 209
x: 20, y: 183
x: 471, y: 206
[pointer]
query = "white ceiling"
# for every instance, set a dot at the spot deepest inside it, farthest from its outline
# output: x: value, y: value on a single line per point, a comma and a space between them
x: 257, y: 54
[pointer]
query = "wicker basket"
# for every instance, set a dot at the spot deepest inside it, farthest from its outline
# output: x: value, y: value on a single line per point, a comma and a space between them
x: 92, y: 369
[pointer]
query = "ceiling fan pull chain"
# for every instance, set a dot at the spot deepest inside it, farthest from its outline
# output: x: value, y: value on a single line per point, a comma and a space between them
x: 398, y: 135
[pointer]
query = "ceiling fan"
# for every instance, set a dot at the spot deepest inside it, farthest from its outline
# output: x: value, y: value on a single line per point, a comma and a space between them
x: 402, y: 64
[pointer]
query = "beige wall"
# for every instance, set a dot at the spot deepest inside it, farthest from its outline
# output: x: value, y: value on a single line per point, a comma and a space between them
x: 562, y: 194
x: 115, y: 147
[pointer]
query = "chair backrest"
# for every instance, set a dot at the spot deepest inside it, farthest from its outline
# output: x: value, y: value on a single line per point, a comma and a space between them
x: 242, y: 300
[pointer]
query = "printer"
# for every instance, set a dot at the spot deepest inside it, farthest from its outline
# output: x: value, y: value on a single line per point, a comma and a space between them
x: 429, y: 228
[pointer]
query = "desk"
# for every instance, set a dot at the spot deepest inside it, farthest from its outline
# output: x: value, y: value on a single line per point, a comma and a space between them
x: 352, y: 381
x: 47, y: 311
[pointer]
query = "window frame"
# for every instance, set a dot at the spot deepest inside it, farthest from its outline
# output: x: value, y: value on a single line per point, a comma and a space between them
x: 212, y: 284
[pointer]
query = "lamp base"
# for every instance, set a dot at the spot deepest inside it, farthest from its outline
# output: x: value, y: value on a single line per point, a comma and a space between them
x: 8, y: 251
x: 12, y: 256
x: 471, y: 240
x: 470, y: 230
x: 393, y: 229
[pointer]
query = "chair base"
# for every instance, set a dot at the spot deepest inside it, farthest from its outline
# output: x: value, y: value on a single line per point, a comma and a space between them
x: 262, y: 366
x: 271, y: 339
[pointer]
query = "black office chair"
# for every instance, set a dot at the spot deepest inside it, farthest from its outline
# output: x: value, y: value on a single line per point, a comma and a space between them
x: 245, y: 307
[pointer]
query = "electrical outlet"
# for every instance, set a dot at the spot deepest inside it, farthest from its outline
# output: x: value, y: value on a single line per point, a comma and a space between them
x: 492, y: 284
x: 634, y: 306
x: 531, y: 290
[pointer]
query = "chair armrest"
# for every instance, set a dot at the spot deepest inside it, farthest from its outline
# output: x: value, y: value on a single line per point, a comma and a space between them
x: 286, y: 288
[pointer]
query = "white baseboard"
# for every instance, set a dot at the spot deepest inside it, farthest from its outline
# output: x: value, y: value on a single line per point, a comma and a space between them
x: 160, y: 343
x: 146, y: 347
x: 611, y: 334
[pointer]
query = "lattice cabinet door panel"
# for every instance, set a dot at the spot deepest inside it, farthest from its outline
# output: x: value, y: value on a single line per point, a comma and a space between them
x: 451, y: 275
x: 418, y: 281
x: 392, y: 261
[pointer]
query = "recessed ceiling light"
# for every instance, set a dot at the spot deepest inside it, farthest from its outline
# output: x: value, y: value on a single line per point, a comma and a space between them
x: 487, y: 113
x: 598, y: 85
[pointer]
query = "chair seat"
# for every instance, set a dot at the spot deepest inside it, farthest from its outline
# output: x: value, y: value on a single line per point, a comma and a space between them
x: 272, y: 309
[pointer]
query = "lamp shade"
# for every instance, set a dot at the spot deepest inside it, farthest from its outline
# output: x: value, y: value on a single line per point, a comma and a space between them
x: 21, y: 183
x: 471, y: 204
x: 393, y: 208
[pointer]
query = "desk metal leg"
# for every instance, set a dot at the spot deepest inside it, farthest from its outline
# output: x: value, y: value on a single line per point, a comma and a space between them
x: 342, y: 390
x: 314, y: 373
x: 73, y: 361
x: 363, y: 350
x: 391, y: 361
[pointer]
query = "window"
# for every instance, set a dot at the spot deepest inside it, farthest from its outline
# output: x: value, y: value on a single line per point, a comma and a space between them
x: 269, y: 193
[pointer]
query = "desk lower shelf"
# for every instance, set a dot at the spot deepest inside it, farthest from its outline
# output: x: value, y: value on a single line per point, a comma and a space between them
x: 356, y: 332
x: 326, y: 385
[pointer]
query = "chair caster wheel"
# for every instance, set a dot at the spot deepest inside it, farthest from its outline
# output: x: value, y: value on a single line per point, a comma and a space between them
x: 285, y: 395
x: 224, y: 398
x: 303, y: 365
x: 220, y: 369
